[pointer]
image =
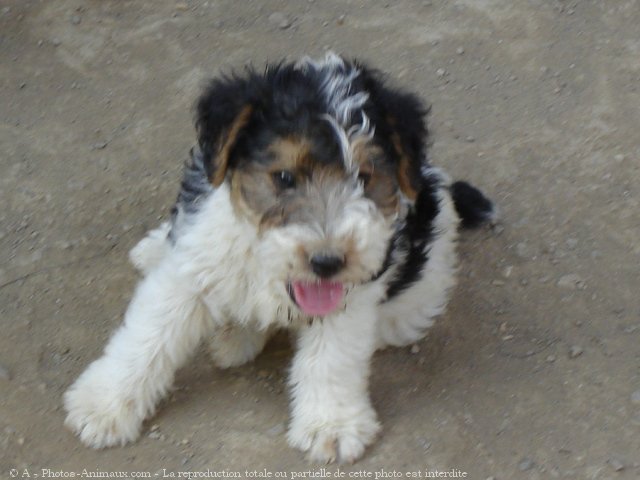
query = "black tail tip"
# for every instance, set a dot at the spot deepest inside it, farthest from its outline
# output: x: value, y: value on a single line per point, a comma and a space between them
x: 472, y: 206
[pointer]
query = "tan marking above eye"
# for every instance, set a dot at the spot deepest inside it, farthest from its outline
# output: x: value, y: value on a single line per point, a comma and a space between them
x: 289, y: 153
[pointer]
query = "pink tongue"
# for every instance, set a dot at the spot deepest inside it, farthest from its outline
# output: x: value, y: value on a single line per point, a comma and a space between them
x: 318, y: 298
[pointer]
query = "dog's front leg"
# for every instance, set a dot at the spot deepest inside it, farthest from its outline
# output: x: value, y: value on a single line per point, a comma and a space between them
x: 332, y: 416
x: 162, y: 326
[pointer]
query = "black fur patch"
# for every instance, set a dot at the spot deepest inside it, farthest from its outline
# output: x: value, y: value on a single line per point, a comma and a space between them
x: 472, y: 206
x: 414, y: 238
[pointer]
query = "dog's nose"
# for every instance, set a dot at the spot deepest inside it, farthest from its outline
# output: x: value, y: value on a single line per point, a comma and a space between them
x: 325, y: 265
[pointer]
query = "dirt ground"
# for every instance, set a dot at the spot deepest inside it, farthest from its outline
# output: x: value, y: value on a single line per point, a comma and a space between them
x: 533, y: 373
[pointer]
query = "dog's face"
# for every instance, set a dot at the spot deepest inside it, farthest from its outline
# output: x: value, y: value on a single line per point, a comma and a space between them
x: 317, y: 160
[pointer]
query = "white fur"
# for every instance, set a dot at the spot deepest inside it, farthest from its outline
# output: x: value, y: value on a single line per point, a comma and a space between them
x: 405, y: 318
x: 151, y: 249
x: 234, y: 286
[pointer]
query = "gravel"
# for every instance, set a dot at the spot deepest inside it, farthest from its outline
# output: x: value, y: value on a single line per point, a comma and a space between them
x: 525, y: 464
x: 635, y: 397
x: 571, y: 281
x: 4, y: 373
x: 575, y: 351
x: 616, y: 463
x: 279, y: 20
x: 276, y: 430
x: 522, y: 250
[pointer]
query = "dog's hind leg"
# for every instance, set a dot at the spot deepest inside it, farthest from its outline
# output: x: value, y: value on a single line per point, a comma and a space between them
x: 234, y: 345
x: 149, y: 251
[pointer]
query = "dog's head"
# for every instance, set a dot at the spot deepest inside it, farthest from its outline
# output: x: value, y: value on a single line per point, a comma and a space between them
x: 323, y: 160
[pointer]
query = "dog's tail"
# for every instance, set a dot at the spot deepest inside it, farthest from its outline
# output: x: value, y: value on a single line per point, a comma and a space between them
x: 472, y: 206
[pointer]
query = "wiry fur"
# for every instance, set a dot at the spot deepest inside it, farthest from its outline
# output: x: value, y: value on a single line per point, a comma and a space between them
x: 221, y: 267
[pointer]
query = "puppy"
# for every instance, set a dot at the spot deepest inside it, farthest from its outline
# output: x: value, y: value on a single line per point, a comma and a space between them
x: 308, y: 204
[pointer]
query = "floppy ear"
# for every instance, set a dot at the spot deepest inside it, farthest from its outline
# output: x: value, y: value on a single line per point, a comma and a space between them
x: 222, y: 113
x: 402, y: 118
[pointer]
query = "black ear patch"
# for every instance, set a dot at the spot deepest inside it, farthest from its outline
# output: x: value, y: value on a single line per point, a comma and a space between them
x: 222, y: 112
x: 400, y: 118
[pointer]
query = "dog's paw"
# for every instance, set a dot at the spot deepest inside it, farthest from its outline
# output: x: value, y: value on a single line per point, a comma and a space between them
x: 341, y: 441
x: 97, y: 415
x: 149, y: 251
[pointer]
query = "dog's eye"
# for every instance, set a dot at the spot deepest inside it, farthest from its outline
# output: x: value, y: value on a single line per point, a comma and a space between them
x: 365, y: 178
x: 284, y: 180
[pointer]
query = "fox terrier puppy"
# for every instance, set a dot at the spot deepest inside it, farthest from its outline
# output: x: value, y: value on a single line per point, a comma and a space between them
x: 308, y: 204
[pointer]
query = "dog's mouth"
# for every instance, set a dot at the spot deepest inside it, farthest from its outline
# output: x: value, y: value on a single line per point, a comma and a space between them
x: 316, y: 298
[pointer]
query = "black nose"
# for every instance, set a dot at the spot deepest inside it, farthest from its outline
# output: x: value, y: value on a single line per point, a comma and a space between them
x: 326, y: 265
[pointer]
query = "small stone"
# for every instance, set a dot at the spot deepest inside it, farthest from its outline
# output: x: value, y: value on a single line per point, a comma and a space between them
x: 572, y: 243
x: 424, y: 443
x: 635, y: 397
x: 619, y: 157
x: 491, y: 478
x: 56, y: 42
x: 522, y: 250
x: 470, y: 139
x: 572, y: 281
x: 507, y: 271
x: 415, y: 349
x: 498, y: 283
x: 280, y: 20
x: 99, y: 146
x: 4, y: 373
x: 617, y: 464
x: 550, y: 358
x: 441, y: 72
x: 276, y: 430
x: 525, y: 464
x: 575, y: 351
x: 460, y: 50
x: 75, y: 19
x: 340, y: 20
